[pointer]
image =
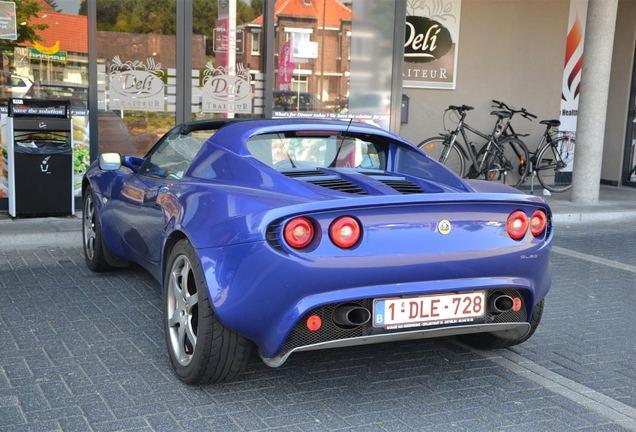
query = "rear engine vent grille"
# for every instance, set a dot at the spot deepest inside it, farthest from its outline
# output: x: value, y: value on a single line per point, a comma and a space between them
x: 329, y: 181
x: 339, y: 185
x: 403, y: 186
x: 303, y: 173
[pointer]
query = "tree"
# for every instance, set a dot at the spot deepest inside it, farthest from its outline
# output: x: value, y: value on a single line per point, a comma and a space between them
x: 257, y: 7
x: 53, y: 4
x: 159, y: 16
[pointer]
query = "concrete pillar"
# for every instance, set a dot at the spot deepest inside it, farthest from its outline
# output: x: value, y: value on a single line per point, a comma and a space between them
x: 595, y: 78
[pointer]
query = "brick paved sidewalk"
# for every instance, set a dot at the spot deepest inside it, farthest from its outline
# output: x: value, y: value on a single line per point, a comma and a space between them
x: 81, y: 351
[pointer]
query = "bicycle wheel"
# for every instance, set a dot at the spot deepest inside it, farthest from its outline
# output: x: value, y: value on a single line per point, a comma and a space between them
x: 434, y: 147
x: 554, y: 165
x: 511, y: 166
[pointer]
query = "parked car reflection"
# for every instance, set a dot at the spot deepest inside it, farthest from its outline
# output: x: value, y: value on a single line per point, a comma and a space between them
x: 297, y: 101
x: 116, y: 136
x: 55, y: 90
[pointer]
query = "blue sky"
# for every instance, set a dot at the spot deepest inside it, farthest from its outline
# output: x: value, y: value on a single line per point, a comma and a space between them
x: 68, y: 6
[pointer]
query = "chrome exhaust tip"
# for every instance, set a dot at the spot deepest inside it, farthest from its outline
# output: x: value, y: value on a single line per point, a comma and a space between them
x: 500, y: 303
x: 351, y: 315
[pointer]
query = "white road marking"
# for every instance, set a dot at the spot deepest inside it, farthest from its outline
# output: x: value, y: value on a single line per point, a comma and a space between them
x: 594, y: 259
x: 611, y: 409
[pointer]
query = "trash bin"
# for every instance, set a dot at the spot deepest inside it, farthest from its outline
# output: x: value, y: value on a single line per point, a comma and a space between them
x: 39, y: 141
x: 43, y: 178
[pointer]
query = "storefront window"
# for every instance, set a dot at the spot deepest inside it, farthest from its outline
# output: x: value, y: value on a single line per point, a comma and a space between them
x: 228, y: 76
x: 318, y: 45
x: 136, y: 46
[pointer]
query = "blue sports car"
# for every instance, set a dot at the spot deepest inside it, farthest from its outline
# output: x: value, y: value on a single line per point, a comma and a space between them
x: 284, y: 236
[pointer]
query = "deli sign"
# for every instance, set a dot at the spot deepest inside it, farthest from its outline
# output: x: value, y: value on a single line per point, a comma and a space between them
x: 431, y: 42
x: 426, y: 40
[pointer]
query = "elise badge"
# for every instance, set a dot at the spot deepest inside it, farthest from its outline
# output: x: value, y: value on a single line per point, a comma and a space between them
x: 444, y: 227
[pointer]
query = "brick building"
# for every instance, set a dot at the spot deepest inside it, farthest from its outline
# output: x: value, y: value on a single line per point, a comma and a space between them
x: 321, y: 33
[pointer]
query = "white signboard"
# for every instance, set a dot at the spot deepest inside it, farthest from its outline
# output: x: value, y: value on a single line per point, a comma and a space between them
x: 136, y: 86
x: 226, y: 89
x: 431, y: 44
x: 8, y: 28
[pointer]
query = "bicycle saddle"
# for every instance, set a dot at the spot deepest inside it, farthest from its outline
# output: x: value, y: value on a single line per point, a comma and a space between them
x: 551, y: 123
x: 501, y: 114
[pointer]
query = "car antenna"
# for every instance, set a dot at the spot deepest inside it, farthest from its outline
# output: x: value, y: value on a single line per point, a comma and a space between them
x: 291, y: 161
x: 344, y: 135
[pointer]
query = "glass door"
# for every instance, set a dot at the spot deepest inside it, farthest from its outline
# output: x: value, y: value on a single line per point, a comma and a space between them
x: 136, y: 64
x: 227, y: 65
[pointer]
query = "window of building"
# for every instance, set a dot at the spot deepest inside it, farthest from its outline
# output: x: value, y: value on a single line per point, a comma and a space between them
x: 256, y: 43
x: 300, y: 83
x: 298, y: 36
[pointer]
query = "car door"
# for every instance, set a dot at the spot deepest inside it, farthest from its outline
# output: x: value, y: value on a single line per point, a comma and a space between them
x: 147, y: 204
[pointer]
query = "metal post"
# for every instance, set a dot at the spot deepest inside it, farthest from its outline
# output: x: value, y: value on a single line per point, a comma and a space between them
x: 398, y: 65
x: 268, y: 56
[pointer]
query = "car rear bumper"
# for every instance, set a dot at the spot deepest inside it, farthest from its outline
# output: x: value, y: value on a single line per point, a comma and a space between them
x: 266, y: 296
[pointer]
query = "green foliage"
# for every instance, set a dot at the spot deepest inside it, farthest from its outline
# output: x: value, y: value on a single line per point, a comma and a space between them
x: 53, y: 4
x: 257, y: 7
x: 204, y: 16
x: 159, y: 16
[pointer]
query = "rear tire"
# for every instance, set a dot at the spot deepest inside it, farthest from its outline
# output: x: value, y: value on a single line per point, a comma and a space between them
x: 552, y: 161
x: 434, y: 148
x: 201, y: 349
x: 488, y: 341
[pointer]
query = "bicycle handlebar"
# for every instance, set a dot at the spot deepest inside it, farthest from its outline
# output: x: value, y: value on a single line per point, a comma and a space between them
x: 524, y: 113
x: 460, y: 108
x: 529, y: 115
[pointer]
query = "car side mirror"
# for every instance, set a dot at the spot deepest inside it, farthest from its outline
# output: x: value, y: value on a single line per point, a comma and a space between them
x: 109, y: 161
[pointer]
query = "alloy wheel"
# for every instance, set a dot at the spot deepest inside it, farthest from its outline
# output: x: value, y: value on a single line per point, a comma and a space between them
x: 182, y: 309
x: 89, y: 228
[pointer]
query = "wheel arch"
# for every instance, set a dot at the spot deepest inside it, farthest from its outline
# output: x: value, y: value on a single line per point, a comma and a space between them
x: 175, y: 237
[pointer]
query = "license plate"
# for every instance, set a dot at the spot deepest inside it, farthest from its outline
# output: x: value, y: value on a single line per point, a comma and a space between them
x: 428, y: 310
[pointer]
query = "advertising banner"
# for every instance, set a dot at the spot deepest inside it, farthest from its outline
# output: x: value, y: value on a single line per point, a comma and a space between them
x: 286, y: 65
x: 571, y: 85
x: 431, y: 43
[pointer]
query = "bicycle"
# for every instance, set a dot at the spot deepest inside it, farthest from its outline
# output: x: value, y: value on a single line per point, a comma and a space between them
x: 551, y: 162
x: 500, y: 159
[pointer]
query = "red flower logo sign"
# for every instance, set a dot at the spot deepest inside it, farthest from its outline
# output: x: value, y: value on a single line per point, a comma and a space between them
x: 573, y: 60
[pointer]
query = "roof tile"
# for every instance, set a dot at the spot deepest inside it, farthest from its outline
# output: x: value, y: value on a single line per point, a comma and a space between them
x: 335, y: 11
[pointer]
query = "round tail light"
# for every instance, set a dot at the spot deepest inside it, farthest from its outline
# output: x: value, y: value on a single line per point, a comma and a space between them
x: 538, y: 221
x: 345, y: 232
x: 299, y: 232
x: 517, y: 225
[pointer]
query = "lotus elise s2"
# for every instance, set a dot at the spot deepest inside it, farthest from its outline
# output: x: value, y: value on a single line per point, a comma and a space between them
x: 292, y: 235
